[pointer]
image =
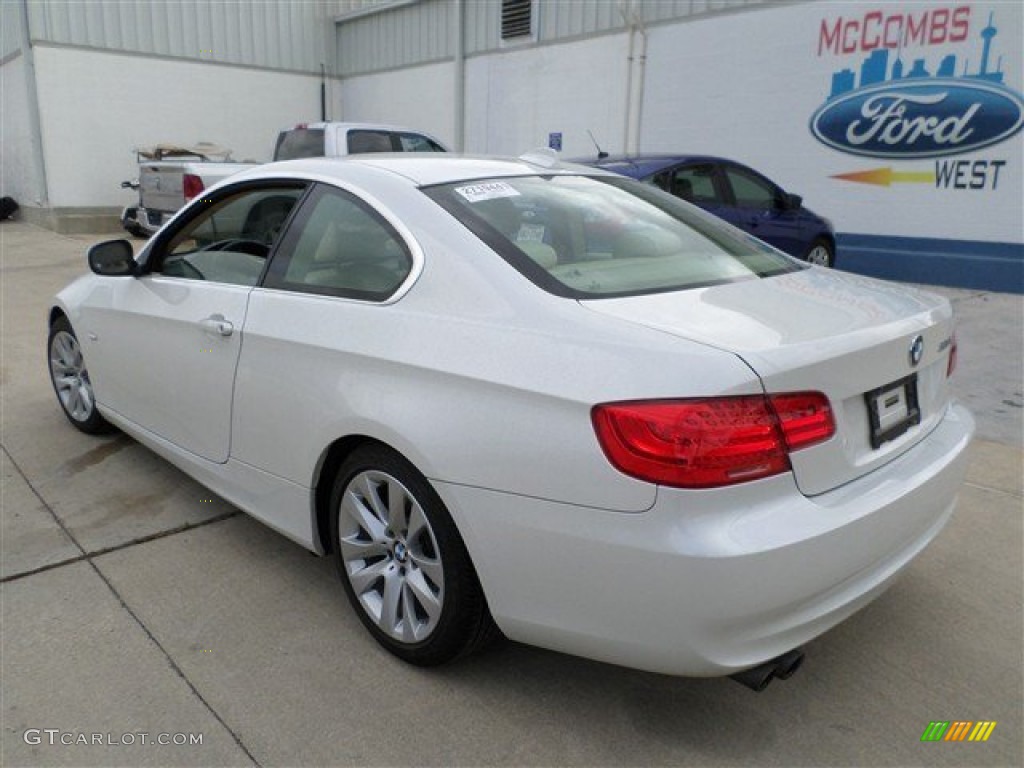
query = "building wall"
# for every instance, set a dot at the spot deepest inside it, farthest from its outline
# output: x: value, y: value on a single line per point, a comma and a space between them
x: 19, y: 178
x: 403, y: 34
x: 96, y: 107
x: 419, y: 97
x: 277, y: 34
x: 115, y: 74
x: 415, y: 34
x: 516, y: 98
x: 10, y: 29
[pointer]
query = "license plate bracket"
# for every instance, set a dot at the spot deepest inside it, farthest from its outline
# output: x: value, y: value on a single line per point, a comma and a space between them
x: 892, y: 410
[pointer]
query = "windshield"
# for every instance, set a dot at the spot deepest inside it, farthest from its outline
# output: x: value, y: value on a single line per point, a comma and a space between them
x: 588, y: 237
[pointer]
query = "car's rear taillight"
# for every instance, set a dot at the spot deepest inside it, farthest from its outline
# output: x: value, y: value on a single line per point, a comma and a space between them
x: 805, y: 418
x: 712, y: 441
x: 191, y: 185
x: 951, y: 365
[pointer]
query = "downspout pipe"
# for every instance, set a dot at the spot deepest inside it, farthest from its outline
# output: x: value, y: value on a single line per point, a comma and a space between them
x: 628, y: 112
x: 459, y: 77
x: 35, y: 123
x: 638, y: 95
x: 636, y: 65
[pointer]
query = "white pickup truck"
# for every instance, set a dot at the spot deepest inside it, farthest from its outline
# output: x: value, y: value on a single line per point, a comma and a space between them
x: 165, y: 185
x: 169, y: 176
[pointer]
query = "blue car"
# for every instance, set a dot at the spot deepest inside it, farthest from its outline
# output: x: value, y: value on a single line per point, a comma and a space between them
x: 738, y: 194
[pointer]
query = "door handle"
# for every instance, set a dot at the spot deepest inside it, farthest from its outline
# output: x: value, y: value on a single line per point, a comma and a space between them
x: 217, y: 324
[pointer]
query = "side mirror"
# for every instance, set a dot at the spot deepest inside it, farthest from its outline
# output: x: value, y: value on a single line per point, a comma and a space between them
x: 112, y: 258
x: 792, y: 202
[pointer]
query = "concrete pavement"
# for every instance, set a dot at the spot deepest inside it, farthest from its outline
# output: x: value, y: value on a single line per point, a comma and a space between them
x: 134, y: 601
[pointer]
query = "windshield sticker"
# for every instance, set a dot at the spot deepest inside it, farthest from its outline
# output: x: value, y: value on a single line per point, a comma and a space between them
x: 530, y: 233
x: 476, y: 193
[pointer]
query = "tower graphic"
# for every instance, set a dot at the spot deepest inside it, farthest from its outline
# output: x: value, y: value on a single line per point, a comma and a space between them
x: 986, y: 34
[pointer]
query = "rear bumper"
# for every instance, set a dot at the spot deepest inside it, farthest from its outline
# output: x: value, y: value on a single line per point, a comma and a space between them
x: 707, y: 583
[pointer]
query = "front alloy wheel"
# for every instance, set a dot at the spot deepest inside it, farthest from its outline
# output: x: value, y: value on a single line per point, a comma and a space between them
x: 70, y: 379
x: 402, y: 561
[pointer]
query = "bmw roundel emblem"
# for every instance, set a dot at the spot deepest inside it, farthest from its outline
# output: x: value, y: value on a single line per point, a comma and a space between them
x: 916, y: 350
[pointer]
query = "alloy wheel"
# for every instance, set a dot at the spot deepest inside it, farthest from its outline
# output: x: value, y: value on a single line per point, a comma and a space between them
x: 70, y: 377
x: 391, y: 556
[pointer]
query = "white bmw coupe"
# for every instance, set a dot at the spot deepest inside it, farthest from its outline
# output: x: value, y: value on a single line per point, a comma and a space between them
x: 517, y: 395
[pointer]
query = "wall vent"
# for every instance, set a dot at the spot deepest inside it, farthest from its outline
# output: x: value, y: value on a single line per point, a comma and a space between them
x: 516, y: 17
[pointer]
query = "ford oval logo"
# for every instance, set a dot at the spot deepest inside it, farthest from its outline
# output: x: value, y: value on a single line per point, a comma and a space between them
x: 919, y: 119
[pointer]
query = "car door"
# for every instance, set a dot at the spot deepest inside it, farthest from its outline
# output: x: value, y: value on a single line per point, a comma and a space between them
x: 169, y: 340
x: 317, y: 321
x: 759, y: 207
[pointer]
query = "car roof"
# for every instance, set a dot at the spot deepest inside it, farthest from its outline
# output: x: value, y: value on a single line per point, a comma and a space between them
x: 420, y: 168
x: 357, y: 126
x: 642, y: 165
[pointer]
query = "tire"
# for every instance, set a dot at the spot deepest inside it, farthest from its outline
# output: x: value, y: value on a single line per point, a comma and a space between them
x: 821, y: 253
x: 402, y: 561
x: 70, y: 379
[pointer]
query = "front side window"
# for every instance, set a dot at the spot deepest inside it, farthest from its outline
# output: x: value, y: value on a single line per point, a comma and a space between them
x: 587, y: 237
x: 339, y: 246
x: 750, y: 191
x: 228, y: 241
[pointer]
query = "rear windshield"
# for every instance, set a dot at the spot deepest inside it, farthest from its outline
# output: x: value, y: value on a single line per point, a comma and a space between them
x: 298, y: 143
x: 591, y: 237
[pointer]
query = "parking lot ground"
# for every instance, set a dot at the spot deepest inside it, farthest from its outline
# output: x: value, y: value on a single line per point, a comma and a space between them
x: 135, y: 601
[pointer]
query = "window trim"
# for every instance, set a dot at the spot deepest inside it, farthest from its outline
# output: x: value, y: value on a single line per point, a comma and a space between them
x: 155, y: 250
x: 281, y: 257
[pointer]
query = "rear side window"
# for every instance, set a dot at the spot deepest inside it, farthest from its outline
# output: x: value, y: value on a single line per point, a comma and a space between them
x: 298, y: 143
x: 362, y: 141
x: 414, y: 142
x: 695, y: 184
x: 339, y: 246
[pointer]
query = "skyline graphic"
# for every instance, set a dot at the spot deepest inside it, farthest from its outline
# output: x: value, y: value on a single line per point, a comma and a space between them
x: 875, y: 68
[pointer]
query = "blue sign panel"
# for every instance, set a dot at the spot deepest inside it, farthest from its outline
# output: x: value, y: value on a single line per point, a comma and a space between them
x: 555, y: 141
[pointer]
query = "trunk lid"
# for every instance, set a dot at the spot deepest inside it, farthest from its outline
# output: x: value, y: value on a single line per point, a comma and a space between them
x: 847, y: 336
